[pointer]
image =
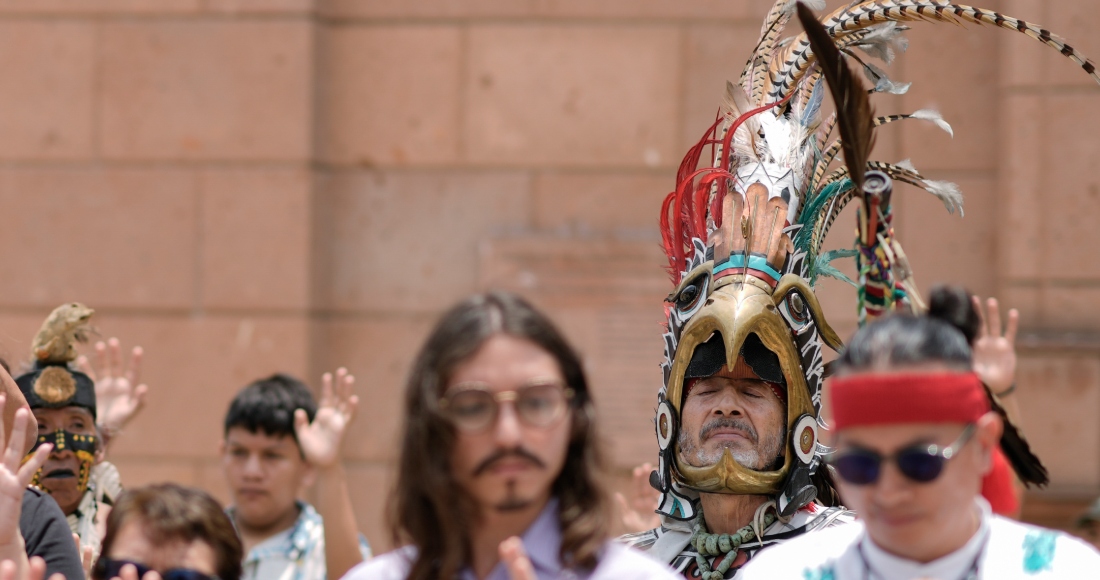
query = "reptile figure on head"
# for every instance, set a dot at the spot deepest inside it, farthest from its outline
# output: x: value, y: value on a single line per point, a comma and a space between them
x: 63, y: 401
x: 740, y: 464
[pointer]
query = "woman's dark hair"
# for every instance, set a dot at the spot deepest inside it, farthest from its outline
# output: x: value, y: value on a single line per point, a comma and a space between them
x: 170, y: 512
x: 430, y: 510
x: 898, y: 340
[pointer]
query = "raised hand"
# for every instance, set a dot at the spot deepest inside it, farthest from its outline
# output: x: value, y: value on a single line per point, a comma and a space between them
x: 638, y: 512
x: 515, y: 559
x: 36, y: 570
x: 320, y: 440
x: 119, y: 394
x: 14, y: 477
x: 87, y: 556
x: 129, y: 572
x: 994, y: 352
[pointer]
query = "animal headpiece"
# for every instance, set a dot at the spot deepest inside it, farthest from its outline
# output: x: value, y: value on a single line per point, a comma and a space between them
x: 743, y: 235
x: 52, y: 384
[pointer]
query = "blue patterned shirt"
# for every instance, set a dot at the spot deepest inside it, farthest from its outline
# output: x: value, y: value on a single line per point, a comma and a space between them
x: 297, y: 553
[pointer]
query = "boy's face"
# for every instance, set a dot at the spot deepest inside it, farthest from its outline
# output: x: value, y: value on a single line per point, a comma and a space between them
x: 265, y: 474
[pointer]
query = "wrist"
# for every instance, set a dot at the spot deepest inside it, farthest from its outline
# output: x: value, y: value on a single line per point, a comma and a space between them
x: 336, y: 467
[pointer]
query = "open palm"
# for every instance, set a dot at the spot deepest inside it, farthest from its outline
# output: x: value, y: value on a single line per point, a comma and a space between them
x: 119, y: 394
x: 320, y: 440
x: 14, y: 477
x: 994, y: 352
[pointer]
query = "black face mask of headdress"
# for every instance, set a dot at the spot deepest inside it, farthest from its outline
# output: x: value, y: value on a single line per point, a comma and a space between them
x: 83, y: 446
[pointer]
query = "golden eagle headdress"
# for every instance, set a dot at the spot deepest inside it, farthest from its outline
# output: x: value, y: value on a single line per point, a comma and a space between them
x: 744, y: 235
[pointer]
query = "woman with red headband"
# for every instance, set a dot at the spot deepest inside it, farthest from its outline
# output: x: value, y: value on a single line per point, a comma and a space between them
x: 915, y: 432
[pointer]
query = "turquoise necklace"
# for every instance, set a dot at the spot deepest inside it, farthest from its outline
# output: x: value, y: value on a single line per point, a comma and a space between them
x: 711, y: 545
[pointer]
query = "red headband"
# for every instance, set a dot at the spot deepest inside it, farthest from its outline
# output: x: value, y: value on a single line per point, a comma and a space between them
x: 877, y: 399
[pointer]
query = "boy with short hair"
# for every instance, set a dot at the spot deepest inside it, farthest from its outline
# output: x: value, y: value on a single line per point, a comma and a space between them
x: 278, y: 441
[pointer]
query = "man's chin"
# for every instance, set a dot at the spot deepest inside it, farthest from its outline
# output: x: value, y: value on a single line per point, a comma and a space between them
x: 513, y: 504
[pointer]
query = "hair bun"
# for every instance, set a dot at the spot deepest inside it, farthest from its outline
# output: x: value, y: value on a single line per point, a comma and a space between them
x: 954, y: 305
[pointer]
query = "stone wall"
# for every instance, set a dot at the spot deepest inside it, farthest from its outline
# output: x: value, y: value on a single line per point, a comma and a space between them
x: 244, y: 186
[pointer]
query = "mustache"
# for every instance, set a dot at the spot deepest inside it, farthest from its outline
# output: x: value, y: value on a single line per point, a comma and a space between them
x: 502, y: 454
x: 728, y: 423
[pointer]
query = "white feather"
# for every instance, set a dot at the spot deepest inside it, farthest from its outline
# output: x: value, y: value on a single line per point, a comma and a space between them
x: 884, y: 41
x: 949, y: 193
x: 883, y: 84
x: 907, y: 164
x: 933, y: 116
x: 815, y: 4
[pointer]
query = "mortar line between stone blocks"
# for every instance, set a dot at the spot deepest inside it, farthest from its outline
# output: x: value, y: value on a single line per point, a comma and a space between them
x: 463, y: 88
x: 200, y: 235
x: 97, y: 89
x: 682, y: 83
x: 546, y: 21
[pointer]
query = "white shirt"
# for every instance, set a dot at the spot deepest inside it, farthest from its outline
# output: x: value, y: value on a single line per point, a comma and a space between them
x: 1001, y: 549
x: 542, y: 540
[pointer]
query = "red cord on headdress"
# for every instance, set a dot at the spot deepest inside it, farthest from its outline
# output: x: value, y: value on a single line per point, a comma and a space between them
x: 691, y: 208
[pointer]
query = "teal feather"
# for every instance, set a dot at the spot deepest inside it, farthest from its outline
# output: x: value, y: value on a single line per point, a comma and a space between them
x: 820, y: 266
x: 811, y: 212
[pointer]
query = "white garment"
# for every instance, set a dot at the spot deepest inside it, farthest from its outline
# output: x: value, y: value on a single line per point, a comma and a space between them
x: 1002, y: 549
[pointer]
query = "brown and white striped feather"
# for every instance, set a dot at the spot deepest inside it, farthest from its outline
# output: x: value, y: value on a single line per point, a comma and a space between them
x: 829, y: 155
x: 798, y: 56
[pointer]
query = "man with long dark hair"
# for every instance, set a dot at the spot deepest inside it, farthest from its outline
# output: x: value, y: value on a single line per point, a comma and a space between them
x: 499, y: 469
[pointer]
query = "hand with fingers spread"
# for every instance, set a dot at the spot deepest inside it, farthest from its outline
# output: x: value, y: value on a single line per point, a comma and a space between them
x: 9, y: 570
x: 15, y: 475
x: 638, y: 511
x: 994, y: 352
x: 515, y: 559
x: 87, y: 556
x: 119, y: 394
x: 130, y: 572
x: 320, y: 440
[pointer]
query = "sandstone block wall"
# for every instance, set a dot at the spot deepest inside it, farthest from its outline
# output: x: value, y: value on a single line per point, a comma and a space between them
x: 245, y: 186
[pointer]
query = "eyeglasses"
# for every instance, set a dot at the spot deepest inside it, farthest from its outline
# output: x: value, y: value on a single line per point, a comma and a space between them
x: 920, y: 463
x: 473, y: 407
x: 108, y: 568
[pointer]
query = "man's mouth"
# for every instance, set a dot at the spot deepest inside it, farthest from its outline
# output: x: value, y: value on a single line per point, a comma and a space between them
x: 728, y: 430
x: 59, y: 474
x: 726, y: 434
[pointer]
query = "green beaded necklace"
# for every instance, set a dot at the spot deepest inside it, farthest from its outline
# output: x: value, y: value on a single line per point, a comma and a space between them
x: 710, y: 545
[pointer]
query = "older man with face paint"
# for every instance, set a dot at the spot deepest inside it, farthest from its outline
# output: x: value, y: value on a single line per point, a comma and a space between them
x: 41, y: 523
x: 914, y: 436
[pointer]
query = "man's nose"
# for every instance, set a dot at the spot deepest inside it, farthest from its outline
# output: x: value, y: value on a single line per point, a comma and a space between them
x: 728, y: 403
x: 252, y: 465
x: 507, y: 430
x: 892, y: 487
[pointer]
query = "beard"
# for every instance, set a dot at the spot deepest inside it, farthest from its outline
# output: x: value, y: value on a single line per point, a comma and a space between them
x: 512, y: 502
x: 762, y: 452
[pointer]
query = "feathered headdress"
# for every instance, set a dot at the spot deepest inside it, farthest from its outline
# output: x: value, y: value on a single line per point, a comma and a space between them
x: 744, y: 234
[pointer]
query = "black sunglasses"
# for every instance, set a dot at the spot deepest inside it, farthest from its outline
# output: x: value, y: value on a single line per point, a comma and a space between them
x: 107, y: 569
x: 920, y: 463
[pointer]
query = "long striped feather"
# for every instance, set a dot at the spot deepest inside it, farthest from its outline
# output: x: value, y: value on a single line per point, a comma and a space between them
x: 798, y: 56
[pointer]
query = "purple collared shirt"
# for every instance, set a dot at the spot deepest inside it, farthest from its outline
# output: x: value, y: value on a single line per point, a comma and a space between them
x: 542, y: 541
